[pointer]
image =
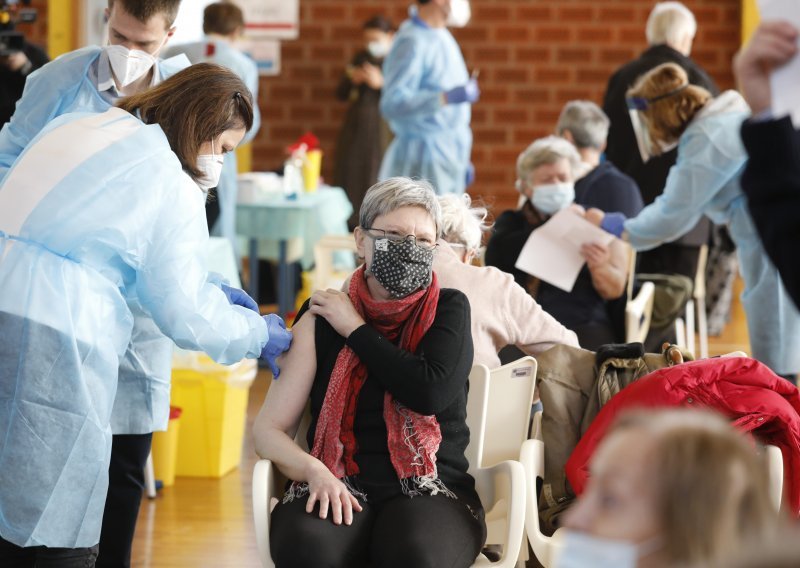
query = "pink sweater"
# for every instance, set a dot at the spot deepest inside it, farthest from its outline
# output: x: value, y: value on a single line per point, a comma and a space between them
x: 503, y: 313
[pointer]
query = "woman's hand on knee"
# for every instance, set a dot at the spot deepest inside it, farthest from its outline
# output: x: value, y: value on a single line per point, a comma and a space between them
x: 332, y: 494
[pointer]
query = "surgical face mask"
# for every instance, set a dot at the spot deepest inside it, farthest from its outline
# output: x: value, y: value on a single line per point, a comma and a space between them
x: 579, y: 550
x: 459, y: 15
x: 129, y: 65
x: 211, y: 167
x: 553, y: 197
x: 400, y: 266
x: 379, y: 49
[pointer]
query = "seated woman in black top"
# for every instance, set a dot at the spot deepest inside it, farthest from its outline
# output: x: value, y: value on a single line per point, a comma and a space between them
x: 546, y: 174
x: 385, y: 367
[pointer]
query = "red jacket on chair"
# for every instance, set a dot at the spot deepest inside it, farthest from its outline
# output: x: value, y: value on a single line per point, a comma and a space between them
x: 747, y: 392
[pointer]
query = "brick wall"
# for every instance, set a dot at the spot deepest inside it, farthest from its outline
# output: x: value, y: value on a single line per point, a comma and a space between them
x: 534, y: 55
x: 37, y: 31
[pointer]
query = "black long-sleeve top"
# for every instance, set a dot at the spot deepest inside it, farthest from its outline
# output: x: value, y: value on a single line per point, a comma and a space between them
x: 771, y: 181
x: 432, y: 380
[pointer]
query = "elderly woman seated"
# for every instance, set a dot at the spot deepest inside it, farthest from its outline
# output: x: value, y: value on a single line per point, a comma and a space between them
x: 503, y: 313
x: 546, y: 173
x: 385, y: 369
x: 670, y: 488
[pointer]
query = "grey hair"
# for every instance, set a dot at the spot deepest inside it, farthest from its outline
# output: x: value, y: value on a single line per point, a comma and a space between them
x: 587, y: 123
x: 546, y: 151
x: 393, y: 193
x: 670, y: 22
x: 462, y: 224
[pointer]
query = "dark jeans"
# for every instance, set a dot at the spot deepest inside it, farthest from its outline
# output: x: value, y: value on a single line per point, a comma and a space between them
x: 125, y: 486
x: 13, y: 556
x: 423, y: 532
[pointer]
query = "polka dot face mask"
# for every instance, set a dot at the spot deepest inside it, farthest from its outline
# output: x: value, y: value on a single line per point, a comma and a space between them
x: 401, y: 266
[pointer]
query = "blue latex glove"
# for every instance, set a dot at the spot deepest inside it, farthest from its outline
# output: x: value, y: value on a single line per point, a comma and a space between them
x: 469, y: 93
x: 280, y: 339
x: 614, y: 223
x: 237, y: 297
x: 470, y: 174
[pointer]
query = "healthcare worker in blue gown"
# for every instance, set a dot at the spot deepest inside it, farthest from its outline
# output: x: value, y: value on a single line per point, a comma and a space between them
x: 667, y: 111
x: 99, y: 211
x: 427, y: 98
x: 92, y: 79
x: 223, y: 24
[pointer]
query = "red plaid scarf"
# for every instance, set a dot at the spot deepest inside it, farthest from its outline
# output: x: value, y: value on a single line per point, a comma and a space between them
x: 413, y: 439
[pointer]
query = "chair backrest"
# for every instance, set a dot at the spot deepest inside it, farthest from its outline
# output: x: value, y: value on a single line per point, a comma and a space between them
x: 638, y: 310
x: 499, y: 411
x: 325, y: 273
x: 700, y: 275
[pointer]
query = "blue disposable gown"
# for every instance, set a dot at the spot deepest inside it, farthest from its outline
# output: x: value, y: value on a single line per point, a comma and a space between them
x: 223, y: 53
x: 85, y: 228
x: 705, y: 181
x: 62, y: 86
x: 432, y: 140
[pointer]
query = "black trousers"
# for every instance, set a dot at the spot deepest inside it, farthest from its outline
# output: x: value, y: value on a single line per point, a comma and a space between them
x: 125, y: 486
x: 13, y: 556
x: 423, y: 532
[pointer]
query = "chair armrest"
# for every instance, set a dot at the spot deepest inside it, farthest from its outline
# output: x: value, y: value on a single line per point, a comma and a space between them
x: 638, y: 313
x: 776, y: 475
x: 532, y: 459
x: 264, y: 481
x: 504, y: 482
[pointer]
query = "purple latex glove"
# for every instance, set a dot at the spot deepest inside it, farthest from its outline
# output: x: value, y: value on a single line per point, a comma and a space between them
x: 614, y: 223
x: 239, y: 297
x: 469, y: 93
x: 280, y: 339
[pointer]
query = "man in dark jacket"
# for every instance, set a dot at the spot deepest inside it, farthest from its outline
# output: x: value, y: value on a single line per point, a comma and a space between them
x: 670, y: 31
x: 771, y: 179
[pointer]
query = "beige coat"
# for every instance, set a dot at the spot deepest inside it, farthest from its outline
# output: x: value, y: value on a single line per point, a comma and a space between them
x: 503, y: 313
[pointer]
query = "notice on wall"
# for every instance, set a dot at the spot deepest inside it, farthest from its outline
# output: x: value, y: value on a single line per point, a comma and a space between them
x: 274, y: 19
x: 785, y: 80
x: 266, y: 53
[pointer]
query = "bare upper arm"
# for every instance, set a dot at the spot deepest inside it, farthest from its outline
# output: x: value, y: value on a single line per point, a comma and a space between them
x: 287, y: 396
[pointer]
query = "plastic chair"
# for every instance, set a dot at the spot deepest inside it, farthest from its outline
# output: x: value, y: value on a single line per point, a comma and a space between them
x: 685, y: 329
x: 501, y: 487
x: 504, y: 396
x: 325, y: 274
x: 638, y: 310
x: 532, y: 458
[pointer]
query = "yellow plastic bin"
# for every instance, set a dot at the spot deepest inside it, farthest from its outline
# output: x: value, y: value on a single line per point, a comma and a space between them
x: 165, y: 449
x: 213, y: 398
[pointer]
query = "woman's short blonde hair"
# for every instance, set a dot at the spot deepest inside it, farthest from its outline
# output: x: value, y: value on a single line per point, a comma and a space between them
x: 461, y: 223
x: 396, y: 192
x: 668, y: 117
x: 545, y: 151
x: 711, y: 486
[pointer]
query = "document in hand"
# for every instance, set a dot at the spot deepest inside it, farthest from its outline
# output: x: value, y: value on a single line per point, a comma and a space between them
x: 553, y: 251
x: 785, y: 80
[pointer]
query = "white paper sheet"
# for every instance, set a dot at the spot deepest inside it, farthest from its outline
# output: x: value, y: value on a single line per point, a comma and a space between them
x: 553, y: 251
x: 786, y: 80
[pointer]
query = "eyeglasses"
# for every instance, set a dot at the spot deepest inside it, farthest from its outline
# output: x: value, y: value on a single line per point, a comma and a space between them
x: 422, y: 244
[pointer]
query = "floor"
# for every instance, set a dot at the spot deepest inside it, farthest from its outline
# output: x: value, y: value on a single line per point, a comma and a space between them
x: 208, y: 522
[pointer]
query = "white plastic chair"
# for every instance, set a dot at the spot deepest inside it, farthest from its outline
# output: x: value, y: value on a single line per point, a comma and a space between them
x: 504, y: 396
x: 532, y: 458
x: 684, y: 328
x: 638, y: 310
x: 325, y: 274
x: 501, y: 487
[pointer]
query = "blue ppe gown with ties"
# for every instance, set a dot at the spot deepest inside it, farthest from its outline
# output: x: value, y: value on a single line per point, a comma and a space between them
x: 432, y: 140
x: 705, y: 181
x: 70, y: 84
x: 95, y: 213
x: 213, y: 50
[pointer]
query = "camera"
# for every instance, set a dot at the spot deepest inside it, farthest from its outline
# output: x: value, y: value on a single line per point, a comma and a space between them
x: 13, y: 12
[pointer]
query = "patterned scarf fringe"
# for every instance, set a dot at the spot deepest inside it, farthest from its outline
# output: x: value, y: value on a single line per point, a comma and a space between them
x: 416, y: 486
x: 299, y: 489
